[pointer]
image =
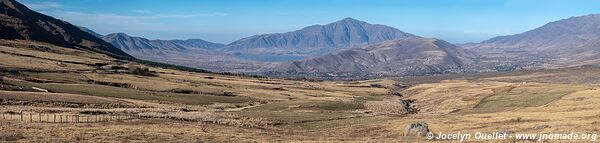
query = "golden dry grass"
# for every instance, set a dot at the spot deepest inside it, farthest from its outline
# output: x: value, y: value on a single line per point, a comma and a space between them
x: 275, y: 110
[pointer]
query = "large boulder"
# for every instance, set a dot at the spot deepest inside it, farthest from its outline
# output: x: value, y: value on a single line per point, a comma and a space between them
x: 419, y: 129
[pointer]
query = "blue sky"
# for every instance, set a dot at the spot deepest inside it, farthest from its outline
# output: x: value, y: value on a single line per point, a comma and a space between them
x: 224, y: 21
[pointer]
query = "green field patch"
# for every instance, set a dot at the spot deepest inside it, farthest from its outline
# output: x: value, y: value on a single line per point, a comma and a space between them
x: 59, y: 77
x: 294, y: 117
x: 525, y: 96
x: 318, y: 106
x: 108, y: 91
x: 337, y: 105
x: 369, y: 98
x: 328, y: 124
x: 280, y: 106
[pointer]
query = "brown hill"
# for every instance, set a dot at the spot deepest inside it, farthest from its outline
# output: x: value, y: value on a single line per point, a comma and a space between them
x: 411, y: 56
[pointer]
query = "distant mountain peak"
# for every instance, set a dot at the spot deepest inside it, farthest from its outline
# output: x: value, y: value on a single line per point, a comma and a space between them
x: 119, y: 34
x: 349, y: 19
x: 318, y: 39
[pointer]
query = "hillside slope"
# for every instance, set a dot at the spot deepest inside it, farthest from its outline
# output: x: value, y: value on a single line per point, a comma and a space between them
x: 411, y: 56
x: 19, y: 22
x: 567, y: 42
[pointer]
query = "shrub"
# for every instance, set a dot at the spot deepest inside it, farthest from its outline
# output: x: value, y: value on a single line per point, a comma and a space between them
x: 10, y: 112
x: 10, y: 136
x: 184, y: 91
x: 94, y: 112
x: 117, y: 67
x: 377, y: 86
x: 229, y: 94
x: 143, y: 71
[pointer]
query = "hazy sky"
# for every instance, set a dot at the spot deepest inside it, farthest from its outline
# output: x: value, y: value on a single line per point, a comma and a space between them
x: 225, y: 21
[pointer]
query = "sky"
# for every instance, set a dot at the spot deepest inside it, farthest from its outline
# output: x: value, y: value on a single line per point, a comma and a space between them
x: 224, y: 21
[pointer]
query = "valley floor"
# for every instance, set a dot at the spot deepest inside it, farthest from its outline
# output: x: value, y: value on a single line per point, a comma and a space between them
x: 164, y: 105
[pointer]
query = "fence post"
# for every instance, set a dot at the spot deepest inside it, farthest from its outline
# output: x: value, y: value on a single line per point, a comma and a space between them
x: 31, y: 117
x: 60, y: 118
x: 40, y: 117
x: 21, y: 115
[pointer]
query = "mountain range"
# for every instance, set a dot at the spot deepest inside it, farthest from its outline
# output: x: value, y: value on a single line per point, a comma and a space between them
x: 564, y: 43
x: 196, y: 53
x: 345, y: 47
x: 259, y: 53
x: 567, y: 42
x: 349, y: 46
x: 138, y: 45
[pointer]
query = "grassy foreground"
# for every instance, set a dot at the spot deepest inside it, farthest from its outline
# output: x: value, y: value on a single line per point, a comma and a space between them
x: 180, y: 106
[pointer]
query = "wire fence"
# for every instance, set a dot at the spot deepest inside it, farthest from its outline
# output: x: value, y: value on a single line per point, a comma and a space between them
x: 33, y: 117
